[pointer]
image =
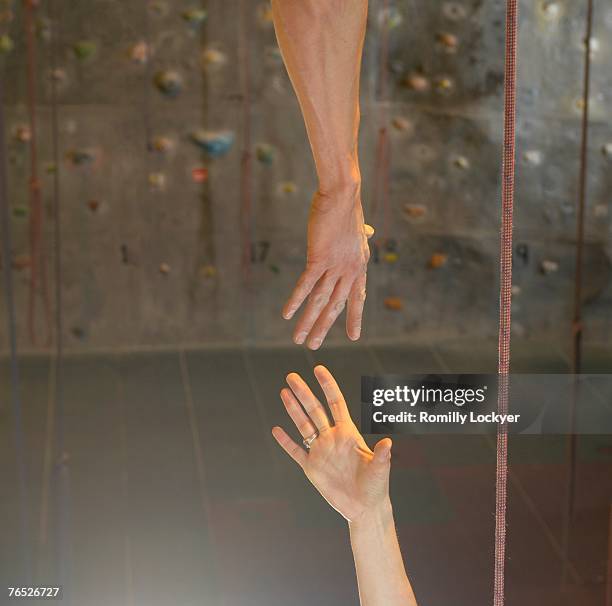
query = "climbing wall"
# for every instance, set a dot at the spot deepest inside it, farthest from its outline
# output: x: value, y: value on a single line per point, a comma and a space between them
x: 184, y: 173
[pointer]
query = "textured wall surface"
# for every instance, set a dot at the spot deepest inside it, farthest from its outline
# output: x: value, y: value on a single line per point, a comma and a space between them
x: 151, y: 240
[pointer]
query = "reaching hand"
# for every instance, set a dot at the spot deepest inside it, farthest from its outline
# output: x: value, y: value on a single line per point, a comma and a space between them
x: 349, y: 476
x: 336, y: 264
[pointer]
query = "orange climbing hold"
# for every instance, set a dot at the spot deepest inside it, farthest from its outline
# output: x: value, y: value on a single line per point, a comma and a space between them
x: 437, y: 260
x: 393, y: 303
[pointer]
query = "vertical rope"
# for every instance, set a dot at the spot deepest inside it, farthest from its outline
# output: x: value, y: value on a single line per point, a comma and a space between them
x: 18, y: 437
x: 505, y: 295
x: 38, y: 269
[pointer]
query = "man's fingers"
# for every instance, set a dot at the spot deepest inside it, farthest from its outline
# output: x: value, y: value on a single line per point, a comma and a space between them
x: 289, y: 446
x: 354, y: 313
x: 302, y: 289
x: 329, y: 314
x: 369, y: 230
x: 335, y: 399
x: 314, y: 409
x: 297, y: 414
x: 317, y: 300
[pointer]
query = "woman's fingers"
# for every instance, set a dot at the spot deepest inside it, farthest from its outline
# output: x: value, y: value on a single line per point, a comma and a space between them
x: 297, y: 453
x: 317, y: 300
x: 314, y: 409
x: 302, y: 289
x: 354, y: 313
x: 329, y: 314
x: 297, y: 414
x: 335, y: 399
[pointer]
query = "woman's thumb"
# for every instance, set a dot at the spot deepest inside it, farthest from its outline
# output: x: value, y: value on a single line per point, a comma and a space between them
x: 382, y: 452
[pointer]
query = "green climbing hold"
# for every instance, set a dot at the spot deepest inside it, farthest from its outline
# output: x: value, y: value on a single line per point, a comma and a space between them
x: 195, y: 16
x: 20, y: 212
x: 275, y: 269
x: 85, y: 49
x: 265, y: 153
x: 169, y: 82
x: 6, y: 44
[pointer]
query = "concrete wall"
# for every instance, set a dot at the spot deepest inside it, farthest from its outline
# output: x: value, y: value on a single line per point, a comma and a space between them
x: 442, y: 106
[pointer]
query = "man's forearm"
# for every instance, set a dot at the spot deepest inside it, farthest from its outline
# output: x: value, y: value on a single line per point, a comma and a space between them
x: 381, y: 575
x: 321, y: 42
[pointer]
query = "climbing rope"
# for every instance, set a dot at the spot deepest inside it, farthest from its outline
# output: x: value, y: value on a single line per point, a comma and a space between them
x: 505, y: 295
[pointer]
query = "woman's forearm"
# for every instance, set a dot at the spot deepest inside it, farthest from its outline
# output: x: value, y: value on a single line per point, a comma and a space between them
x: 321, y: 42
x: 381, y: 575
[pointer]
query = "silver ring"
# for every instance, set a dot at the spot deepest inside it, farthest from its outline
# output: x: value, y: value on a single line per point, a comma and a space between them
x: 310, y: 439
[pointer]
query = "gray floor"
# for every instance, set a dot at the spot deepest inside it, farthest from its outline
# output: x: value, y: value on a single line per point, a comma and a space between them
x: 173, y: 491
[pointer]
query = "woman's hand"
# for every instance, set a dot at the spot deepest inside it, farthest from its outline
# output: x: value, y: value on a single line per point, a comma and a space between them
x: 336, y: 264
x: 350, y: 477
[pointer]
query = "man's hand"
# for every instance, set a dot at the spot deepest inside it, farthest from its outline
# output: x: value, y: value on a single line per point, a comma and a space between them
x: 336, y: 265
x: 350, y: 477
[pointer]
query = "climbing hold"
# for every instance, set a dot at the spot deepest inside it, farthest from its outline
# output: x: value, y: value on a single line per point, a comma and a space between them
x: 168, y: 82
x: 78, y: 332
x: 164, y: 268
x: 448, y: 42
x: 51, y: 168
x: 265, y: 153
x: 21, y: 262
x: 402, y: 124
x: 208, y: 271
x: 84, y: 49
x: 275, y: 269
x: 212, y: 59
x: 454, y: 11
x: 287, y: 187
x: 6, y: 44
x: 93, y: 205
x: 417, y: 82
x: 195, y: 16
x: 79, y: 157
x: 437, y: 260
x: 139, y: 52
x: 606, y: 150
x: 157, y: 181
x: 161, y: 144
x: 393, y: 303
x: 461, y: 162
x: 23, y: 134
x: 390, y: 257
x: 19, y: 212
x: 600, y: 210
x: 264, y: 14
x: 390, y: 18
x: 533, y: 157
x: 548, y: 267
x: 551, y: 10
x: 43, y: 29
x: 199, y: 175
x: 214, y: 143
x: 516, y: 290
x: 414, y: 211
x: 444, y: 84
x: 58, y: 75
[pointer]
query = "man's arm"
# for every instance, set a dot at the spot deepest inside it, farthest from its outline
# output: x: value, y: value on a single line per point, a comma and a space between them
x: 354, y: 480
x: 321, y: 42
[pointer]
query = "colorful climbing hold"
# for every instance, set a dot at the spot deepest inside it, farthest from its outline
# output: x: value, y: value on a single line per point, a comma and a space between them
x: 551, y: 11
x: 208, y: 271
x: 437, y: 260
x: 58, y: 75
x: 139, y: 52
x: 548, y: 267
x: 390, y: 257
x: 287, y: 187
x: 414, y: 211
x: 417, y: 82
x: 390, y: 18
x: 454, y: 11
x: 516, y: 290
x: 264, y: 14
x: 213, y: 58
x: 402, y: 124
x: 194, y: 16
x: 533, y: 157
x: 265, y: 153
x: 51, y: 168
x: 214, y: 143
x: 6, y: 44
x: 20, y: 212
x: 275, y: 269
x: 21, y: 262
x: 157, y: 181
x: 606, y: 150
x: 23, y: 133
x: 393, y: 303
x: 84, y: 49
x: 199, y: 175
x: 161, y: 144
x: 164, y: 268
x: 93, y: 205
x: 168, y: 82
x: 447, y: 41
x: 461, y: 162
x: 79, y: 157
x: 444, y: 84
